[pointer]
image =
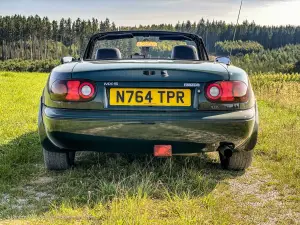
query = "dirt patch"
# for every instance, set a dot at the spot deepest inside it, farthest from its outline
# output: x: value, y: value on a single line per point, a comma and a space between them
x: 25, y: 200
x: 4, y: 199
x: 43, y: 180
x: 254, y: 190
x: 251, y: 183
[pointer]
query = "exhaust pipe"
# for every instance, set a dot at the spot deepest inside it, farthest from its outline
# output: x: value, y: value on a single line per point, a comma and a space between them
x: 226, y: 151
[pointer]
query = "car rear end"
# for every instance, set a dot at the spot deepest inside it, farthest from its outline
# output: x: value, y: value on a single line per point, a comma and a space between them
x: 133, y: 106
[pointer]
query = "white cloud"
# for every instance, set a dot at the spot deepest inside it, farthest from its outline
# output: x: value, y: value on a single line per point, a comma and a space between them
x: 135, y: 12
x: 279, y: 13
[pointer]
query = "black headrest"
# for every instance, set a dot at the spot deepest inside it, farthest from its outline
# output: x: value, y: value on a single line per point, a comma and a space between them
x: 108, y: 53
x: 185, y: 52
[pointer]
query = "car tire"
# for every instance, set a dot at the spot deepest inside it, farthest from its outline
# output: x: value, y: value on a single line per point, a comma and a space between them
x: 58, y: 160
x: 240, y: 160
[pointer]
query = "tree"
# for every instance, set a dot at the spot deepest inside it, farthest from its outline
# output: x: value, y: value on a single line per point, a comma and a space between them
x: 34, y: 37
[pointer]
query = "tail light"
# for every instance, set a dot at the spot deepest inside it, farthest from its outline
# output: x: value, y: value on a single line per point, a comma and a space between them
x: 72, y: 90
x: 227, y: 92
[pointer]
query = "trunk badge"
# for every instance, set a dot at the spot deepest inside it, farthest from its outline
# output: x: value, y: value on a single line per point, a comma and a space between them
x: 191, y: 85
x: 164, y: 73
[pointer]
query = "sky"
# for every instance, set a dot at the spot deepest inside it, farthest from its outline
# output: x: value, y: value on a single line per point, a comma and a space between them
x: 136, y: 12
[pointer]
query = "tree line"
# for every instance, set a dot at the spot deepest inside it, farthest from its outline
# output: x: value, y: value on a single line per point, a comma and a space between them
x: 237, y: 47
x: 284, y: 60
x: 38, y: 38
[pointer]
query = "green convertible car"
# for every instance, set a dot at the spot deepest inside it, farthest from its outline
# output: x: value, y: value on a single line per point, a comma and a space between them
x: 147, y: 92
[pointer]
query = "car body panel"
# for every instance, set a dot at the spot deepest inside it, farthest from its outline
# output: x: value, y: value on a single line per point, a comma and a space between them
x: 65, y: 68
x: 205, y: 130
x: 133, y: 64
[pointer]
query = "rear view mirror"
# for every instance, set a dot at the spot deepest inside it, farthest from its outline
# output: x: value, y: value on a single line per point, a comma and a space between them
x: 223, y: 59
x: 67, y: 59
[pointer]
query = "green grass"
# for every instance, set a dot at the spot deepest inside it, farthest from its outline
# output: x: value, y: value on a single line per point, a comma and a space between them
x: 19, y: 150
x: 278, y: 150
x: 122, y: 189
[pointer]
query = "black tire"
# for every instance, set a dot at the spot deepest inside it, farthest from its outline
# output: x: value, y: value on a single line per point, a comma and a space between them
x: 72, y: 156
x: 238, y: 161
x: 58, y: 160
x: 254, y: 137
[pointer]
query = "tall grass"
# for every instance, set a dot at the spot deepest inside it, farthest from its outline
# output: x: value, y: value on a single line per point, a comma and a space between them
x: 279, y: 106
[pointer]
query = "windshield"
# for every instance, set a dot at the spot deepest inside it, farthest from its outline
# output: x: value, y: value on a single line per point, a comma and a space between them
x: 142, y: 48
x: 124, y: 46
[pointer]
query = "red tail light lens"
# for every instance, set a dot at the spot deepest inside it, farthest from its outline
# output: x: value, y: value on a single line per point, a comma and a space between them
x: 227, y: 88
x: 72, y: 90
x: 227, y: 91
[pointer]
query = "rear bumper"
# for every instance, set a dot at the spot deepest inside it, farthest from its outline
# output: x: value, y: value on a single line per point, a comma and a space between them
x: 107, y: 131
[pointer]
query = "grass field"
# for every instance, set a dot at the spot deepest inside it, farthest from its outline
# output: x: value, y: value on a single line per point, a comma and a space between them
x: 117, y: 189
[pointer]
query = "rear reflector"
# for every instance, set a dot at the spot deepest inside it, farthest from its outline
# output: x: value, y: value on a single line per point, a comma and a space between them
x: 162, y: 150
